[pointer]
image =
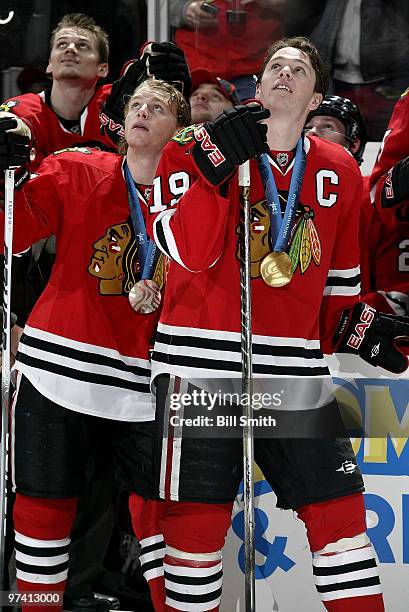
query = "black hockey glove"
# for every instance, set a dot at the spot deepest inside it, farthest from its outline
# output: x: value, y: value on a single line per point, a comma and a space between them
x: 15, y: 150
x: 167, y: 62
x: 396, y: 186
x: 374, y: 336
x: 14, y: 147
x: 160, y: 60
x: 231, y: 139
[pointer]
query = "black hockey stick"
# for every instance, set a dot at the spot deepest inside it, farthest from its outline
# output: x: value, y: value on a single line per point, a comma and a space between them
x: 5, y: 368
x: 247, y: 387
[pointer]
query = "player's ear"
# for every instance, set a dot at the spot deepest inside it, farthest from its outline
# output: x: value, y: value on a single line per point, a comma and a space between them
x: 103, y: 70
x: 355, y: 145
x: 48, y: 69
x: 315, y: 101
x: 258, y: 89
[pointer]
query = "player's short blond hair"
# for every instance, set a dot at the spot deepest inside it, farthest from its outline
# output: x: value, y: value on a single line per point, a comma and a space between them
x: 177, y: 103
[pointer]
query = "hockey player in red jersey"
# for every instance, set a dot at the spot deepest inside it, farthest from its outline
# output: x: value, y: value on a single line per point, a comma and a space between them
x: 69, y: 114
x: 339, y: 120
x: 388, y: 223
x: 314, y: 256
x: 66, y: 116
x: 83, y: 363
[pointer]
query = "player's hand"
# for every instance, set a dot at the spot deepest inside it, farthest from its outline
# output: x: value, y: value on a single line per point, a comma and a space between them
x: 167, y: 62
x: 231, y: 139
x: 396, y: 187
x: 15, y: 139
x: 374, y: 336
x: 161, y: 60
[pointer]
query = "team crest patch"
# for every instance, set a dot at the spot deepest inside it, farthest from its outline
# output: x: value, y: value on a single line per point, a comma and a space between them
x: 6, y: 106
x: 114, y: 261
x: 185, y: 135
x: 305, y: 245
x: 82, y: 150
x: 282, y: 159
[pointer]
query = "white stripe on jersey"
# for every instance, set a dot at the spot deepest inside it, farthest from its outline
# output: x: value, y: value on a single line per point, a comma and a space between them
x: 343, y: 282
x: 163, y: 237
x: 192, y: 352
x: 168, y: 247
x: 86, y: 378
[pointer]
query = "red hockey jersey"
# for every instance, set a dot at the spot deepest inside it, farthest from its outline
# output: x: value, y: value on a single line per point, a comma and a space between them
x: 199, y: 329
x: 83, y: 346
x: 48, y: 133
x: 388, y: 229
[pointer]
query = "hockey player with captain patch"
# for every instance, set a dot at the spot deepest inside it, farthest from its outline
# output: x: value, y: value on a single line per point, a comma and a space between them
x: 306, y: 288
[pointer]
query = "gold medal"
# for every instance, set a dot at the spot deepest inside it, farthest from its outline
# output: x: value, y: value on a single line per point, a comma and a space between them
x: 145, y: 297
x: 276, y: 269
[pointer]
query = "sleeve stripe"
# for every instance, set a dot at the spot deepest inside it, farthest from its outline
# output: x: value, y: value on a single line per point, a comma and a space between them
x: 164, y: 238
x: 343, y: 282
x: 339, y: 281
x: 347, y: 273
x: 329, y: 290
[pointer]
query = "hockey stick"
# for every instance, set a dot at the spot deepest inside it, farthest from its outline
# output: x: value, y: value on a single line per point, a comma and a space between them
x: 247, y: 387
x: 5, y: 368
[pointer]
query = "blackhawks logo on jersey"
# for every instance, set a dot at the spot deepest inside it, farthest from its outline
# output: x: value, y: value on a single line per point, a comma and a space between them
x: 305, y: 244
x: 115, y: 262
x: 7, y: 106
x: 82, y: 150
x: 184, y: 135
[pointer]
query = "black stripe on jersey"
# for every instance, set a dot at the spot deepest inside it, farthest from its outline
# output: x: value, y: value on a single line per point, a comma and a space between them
x: 193, y: 579
x: 233, y: 346
x: 194, y: 598
x: 350, y: 584
x: 155, y: 563
x: 342, y: 281
x: 33, y: 551
x: 152, y: 547
x: 232, y: 366
x: 90, y: 377
x: 44, y: 570
x: 161, y: 239
x: 78, y: 355
x: 342, y: 569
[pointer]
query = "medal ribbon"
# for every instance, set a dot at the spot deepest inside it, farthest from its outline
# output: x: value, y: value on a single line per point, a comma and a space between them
x: 280, y: 228
x: 147, y: 252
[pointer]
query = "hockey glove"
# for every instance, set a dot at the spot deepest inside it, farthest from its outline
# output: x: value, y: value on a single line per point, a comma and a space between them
x: 160, y: 60
x: 231, y: 139
x: 14, y: 142
x: 374, y: 336
x: 167, y: 62
x: 15, y: 149
x: 396, y: 186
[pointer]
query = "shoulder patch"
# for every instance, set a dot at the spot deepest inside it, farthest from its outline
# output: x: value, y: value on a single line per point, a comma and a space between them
x: 184, y: 135
x: 6, y: 106
x: 83, y: 150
